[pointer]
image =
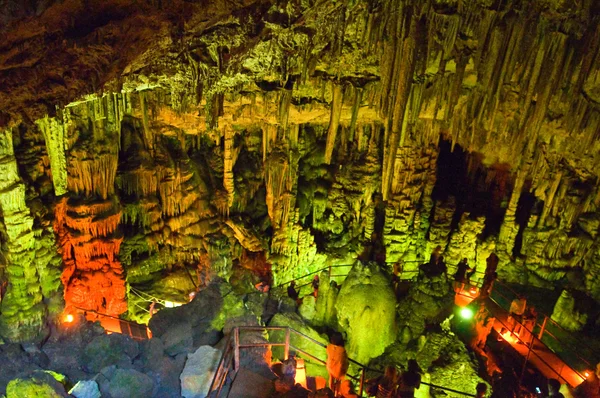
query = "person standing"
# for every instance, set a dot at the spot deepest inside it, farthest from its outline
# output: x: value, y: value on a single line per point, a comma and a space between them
x: 337, y: 361
x: 460, y: 275
x: 292, y: 292
x: 410, y: 381
x: 315, y: 285
x: 480, y: 390
x: 554, y: 389
x: 516, y: 311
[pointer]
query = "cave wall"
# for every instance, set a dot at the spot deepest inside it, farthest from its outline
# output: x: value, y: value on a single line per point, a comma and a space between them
x: 307, y: 131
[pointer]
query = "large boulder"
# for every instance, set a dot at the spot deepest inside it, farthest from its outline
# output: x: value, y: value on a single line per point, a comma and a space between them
x: 85, y: 389
x: 163, y: 369
x: 206, y: 314
x: 325, y: 312
x: 366, y: 311
x: 429, y: 301
x: 105, y: 350
x: 308, y: 309
x: 14, y: 362
x: 178, y: 339
x: 38, y: 384
x: 130, y: 383
x: 565, y: 313
x: 199, y: 371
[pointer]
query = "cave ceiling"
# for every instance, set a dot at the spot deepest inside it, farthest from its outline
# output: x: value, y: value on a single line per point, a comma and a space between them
x: 144, y: 138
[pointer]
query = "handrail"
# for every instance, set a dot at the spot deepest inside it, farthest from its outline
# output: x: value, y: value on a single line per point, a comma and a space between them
x: 565, y: 342
x: 531, y: 350
x: 224, y: 365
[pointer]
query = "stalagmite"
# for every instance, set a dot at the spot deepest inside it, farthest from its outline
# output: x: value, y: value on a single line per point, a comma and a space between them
x: 22, y: 313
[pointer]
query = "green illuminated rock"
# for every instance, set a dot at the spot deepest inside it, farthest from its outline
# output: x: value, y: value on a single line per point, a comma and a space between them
x: 366, y: 311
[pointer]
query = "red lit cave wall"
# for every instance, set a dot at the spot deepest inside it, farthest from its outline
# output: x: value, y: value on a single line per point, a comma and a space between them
x: 87, y: 223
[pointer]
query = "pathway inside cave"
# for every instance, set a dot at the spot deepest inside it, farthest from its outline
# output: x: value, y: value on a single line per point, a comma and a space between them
x: 530, y: 347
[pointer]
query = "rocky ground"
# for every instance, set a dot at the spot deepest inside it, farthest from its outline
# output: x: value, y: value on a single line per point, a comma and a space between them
x: 187, y: 343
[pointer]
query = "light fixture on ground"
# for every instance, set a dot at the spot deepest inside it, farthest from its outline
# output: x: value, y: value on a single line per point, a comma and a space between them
x: 466, y: 313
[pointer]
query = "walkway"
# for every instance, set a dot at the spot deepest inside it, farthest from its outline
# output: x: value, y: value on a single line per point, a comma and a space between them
x: 540, y: 356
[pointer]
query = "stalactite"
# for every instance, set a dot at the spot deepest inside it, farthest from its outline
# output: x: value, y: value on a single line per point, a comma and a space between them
x: 54, y: 135
x: 358, y: 93
x: 403, y: 91
x: 228, y: 178
x: 336, y: 110
x: 92, y: 176
x: 548, y: 202
x: 148, y: 136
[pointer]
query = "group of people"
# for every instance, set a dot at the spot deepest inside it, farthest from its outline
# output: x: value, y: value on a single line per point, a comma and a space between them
x: 462, y: 277
x: 390, y: 385
x: 393, y: 384
x: 295, y: 294
x: 522, y: 319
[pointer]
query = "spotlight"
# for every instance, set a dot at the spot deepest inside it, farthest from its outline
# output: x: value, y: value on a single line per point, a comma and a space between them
x: 466, y: 313
x: 69, y: 318
x: 587, y: 374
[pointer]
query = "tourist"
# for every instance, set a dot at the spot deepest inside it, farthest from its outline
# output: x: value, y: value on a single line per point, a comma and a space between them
x: 516, y: 311
x: 435, y: 255
x: 440, y: 267
x: 483, y: 326
x: 480, y: 390
x: 554, y: 389
x: 590, y: 388
x: 506, y: 385
x: 528, y: 324
x: 347, y: 389
x: 262, y: 287
x: 460, y: 275
x: 488, y: 283
x: 315, y: 285
x: 292, y: 292
x: 470, y: 275
x: 491, y: 263
x: 410, y: 380
x: 337, y: 361
x: 385, y: 385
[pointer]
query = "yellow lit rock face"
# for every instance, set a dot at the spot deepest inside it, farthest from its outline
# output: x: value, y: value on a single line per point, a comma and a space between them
x: 312, y: 131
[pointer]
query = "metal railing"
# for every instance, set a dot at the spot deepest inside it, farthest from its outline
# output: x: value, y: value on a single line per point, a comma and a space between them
x: 135, y: 330
x: 546, y: 329
x: 229, y: 363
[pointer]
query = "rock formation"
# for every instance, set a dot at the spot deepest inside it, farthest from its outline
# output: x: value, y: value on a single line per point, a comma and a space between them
x: 179, y: 137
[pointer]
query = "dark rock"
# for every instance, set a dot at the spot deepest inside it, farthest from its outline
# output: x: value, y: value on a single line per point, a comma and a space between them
x: 37, y: 384
x: 130, y: 383
x: 14, y: 362
x: 178, y: 339
x: 105, y: 350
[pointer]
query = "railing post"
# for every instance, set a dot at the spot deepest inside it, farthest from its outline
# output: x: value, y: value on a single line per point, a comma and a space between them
x: 286, y: 352
x: 236, y: 349
x: 543, y: 327
x: 362, y: 382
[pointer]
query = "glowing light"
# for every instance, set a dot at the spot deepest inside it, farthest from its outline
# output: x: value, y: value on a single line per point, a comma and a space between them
x: 466, y: 313
x: 172, y: 304
x: 300, y: 372
x: 69, y: 318
x: 587, y: 374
